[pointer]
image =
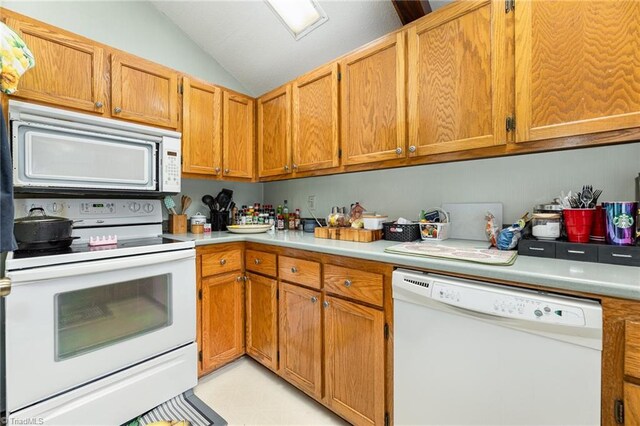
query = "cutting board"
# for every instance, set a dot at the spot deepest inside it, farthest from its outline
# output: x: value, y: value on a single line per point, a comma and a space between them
x: 468, y: 219
x: 348, y: 234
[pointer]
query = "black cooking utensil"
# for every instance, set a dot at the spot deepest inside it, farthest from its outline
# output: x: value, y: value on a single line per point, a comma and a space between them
x: 209, y: 201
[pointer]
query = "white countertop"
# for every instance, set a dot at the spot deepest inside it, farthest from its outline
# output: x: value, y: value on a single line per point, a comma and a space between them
x: 596, y: 278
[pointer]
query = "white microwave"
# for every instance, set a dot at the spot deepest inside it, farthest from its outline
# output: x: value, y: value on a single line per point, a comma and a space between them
x: 61, y: 151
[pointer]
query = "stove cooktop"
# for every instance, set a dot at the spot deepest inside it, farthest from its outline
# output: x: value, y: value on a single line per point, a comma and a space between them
x: 23, y: 259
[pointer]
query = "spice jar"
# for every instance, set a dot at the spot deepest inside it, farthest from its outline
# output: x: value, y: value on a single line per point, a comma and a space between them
x: 546, y: 226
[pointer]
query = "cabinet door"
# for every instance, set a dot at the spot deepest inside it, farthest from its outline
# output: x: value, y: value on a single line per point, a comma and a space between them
x: 237, y: 136
x: 457, y: 70
x: 274, y: 132
x: 373, y: 102
x: 301, y: 337
x: 631, y: 404
x: 222, y: 319
x: 143, y: 91
x: 69, y: 72
x: 315, y: 120
x: 201, y: 128
x: 262, y: 320
x: 577, y: 67
x: 354, y: 361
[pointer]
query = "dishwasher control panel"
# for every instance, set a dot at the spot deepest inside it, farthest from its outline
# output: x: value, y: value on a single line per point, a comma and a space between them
x: 498, y: 303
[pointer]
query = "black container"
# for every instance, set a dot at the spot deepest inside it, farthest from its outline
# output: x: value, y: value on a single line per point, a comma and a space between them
x: 583, y: 252
x: 403, y: 233
x: 219, y: 220
x: 310, y: 224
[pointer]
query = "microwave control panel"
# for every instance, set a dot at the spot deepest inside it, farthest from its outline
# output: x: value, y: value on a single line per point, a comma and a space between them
x: 171, y: 165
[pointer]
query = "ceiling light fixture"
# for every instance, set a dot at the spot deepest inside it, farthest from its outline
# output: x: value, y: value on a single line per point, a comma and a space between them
x: 300, y: 17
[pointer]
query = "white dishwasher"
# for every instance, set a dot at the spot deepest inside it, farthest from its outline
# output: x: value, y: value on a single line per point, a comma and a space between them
x: 471, y: 353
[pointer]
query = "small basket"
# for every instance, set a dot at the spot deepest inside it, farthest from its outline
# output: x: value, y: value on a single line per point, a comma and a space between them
x: 402, y: 233
x: 434, y: 231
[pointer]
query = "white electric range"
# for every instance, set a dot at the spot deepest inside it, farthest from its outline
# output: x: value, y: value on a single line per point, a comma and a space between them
x: 99, y: 335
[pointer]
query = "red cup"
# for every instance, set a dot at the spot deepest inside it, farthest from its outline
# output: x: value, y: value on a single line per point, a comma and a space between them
x: 599, y: 227
x: 578, y: 223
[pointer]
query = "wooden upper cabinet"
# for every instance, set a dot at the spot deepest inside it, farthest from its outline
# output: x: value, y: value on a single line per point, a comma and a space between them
x: 274, y: 132
x: 201, y: 128
x: 143, y: 91
x: 222, y: 319
x: 373, y: 102
x: 262, y: 320
x: 577, y: 67
x: 301, y: 337
x: 316, y: 120
x: 237, y: 135
x: 457, y: 94
x: 354, y: 361
x: 69, y: 71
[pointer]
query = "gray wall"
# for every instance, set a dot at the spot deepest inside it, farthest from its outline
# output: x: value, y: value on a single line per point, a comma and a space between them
x: 136, y: 27
x: 518, y: 182
x: 243, y: 193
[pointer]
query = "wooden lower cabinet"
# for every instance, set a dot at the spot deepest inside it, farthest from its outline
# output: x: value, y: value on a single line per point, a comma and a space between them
x: 354, y: 361
x: 301, y: 337
x: 262, y: 320
x: 222, y: 322
x: 632, y: 404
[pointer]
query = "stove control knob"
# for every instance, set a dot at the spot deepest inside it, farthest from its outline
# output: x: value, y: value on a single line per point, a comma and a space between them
x: 134, y: 207
x: 148, y: 208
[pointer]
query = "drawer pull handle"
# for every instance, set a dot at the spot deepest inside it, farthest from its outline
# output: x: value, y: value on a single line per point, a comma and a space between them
x: 626, y: 256
x: 223, y: 261
x: 99, y: 104
x: 294, y: 269
x: 257, y: 261
x: 536, y: 248
x: 347, y: 283
x: 575, y: 251
x: 314, y: 299
x: 325, y: 304
x: 117, y: 110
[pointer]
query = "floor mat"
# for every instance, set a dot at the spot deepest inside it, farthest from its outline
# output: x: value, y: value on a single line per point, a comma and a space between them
x: 185, y: 406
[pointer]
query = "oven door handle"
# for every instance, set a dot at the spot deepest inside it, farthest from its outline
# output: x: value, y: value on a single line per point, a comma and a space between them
x: 107, y: 265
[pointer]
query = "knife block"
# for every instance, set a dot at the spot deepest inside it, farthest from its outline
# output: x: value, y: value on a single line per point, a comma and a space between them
x: 177, y: 223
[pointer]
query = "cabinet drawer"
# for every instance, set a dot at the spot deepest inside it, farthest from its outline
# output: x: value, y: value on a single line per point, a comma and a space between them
x: 619, y: 255
x: 218, y: 263
x: 261, y: 262
x: 299, y: 271
x: 581, y: 252
x: 355, y: 284
x: 632, y: 348
x: 537, y: 248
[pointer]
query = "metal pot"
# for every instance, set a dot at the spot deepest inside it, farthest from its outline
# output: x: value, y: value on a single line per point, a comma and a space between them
x: 37, y: 231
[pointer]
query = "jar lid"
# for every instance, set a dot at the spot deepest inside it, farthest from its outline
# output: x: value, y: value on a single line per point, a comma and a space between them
x: 198, y: 215
x: 549, y: 207
x: 546, y: 215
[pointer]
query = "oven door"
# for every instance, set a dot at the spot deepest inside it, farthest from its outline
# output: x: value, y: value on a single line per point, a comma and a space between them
x: 68, y: 325
x: 48, y: 156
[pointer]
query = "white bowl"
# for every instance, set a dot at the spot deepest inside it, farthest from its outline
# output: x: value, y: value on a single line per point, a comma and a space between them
x: 248, y: 229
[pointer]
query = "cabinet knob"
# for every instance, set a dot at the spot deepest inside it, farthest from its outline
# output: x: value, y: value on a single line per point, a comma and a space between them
x: 117, y: 110
x: 286, y: 167
x: 217, y: 169
x: 398, y: 150
x: 257, y: 261
x: 99, y: 104
x: 226, y: 171
x: 295, y: 167
x: 314, y: 299
x: 325, y: 304
x: 294, y: 269
x: 347, y: 283
x: 223, y: 261
x: 238, y: 279
x: 412, y: 148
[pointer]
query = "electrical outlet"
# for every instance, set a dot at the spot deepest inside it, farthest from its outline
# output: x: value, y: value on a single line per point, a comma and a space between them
x: 311, y: 202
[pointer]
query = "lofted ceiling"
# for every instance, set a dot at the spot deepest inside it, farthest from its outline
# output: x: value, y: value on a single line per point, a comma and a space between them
x: 249, y: 41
